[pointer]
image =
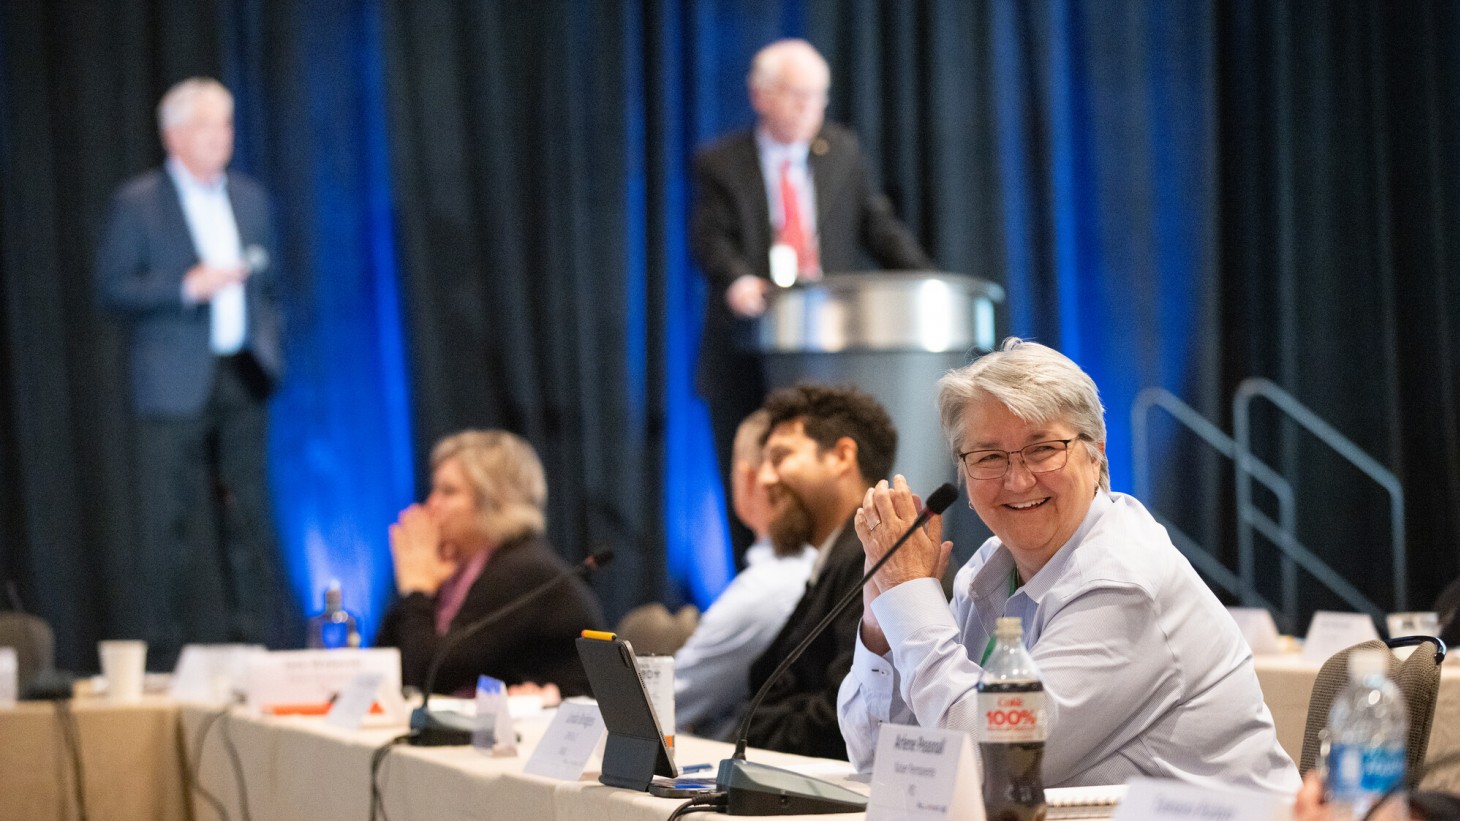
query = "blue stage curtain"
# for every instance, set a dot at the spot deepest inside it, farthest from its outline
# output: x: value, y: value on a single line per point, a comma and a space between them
x: 311, y: 89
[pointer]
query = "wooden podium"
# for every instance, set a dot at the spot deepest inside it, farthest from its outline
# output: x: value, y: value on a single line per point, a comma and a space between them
x: 892, y: 334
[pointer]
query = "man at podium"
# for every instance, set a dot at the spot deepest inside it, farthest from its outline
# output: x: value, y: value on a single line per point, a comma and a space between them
x: 781, y: 203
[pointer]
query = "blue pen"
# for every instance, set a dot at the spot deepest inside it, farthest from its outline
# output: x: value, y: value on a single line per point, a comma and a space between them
x: 694, y: 768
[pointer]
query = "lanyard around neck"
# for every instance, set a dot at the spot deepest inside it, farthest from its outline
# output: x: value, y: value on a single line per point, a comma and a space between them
x: 1014, y: 583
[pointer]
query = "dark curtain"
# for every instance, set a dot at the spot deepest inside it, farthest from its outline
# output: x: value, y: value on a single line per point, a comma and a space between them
x: 1175, y: 194
x: 79, y: 83
x: 1339, y: 193
x: 511, y: 147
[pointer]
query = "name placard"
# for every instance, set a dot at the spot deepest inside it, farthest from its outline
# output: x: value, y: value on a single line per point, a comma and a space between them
x: 569, y: 742
x: 353, y: 702
x: 212, y: 673
x: 925, y: 774
x: 1331, y: 631
x: 1258, y: 628
x: 494, y: 735
x: 1150, y: 798
x: 307, y: 681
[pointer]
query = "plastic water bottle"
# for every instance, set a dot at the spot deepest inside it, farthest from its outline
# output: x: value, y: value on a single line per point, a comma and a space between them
x: 335, y: 627
x: 1368, y: 728
x: 1012, y: 727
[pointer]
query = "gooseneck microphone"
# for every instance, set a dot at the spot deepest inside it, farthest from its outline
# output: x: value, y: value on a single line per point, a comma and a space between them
x: 756, y: 789
x: 442, y: 730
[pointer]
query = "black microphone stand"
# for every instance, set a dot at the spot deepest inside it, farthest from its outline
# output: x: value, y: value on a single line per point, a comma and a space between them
x: 454, y: 729
x: 756, y: 789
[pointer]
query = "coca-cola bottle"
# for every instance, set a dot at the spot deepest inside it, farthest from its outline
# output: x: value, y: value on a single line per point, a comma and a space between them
x: 1012, y: 728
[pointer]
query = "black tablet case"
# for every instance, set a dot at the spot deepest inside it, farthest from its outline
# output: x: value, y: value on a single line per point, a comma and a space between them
x: 635, y: 751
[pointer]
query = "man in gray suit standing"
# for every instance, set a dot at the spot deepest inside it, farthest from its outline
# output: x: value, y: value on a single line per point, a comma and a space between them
x: 788, y: 201
x: 185, y: 263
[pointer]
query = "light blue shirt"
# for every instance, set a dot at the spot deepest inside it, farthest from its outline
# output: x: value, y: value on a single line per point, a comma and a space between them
x: 711, y: 670
x: 1144, y: 671
x: 209, y: 215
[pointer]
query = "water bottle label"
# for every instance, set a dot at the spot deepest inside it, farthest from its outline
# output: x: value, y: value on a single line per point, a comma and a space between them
x: 334, y: 635
x: 1012, y: 718
x: 1355, y: 771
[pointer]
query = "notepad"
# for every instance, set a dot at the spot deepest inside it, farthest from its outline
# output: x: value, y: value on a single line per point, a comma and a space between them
x: 1082, y: 802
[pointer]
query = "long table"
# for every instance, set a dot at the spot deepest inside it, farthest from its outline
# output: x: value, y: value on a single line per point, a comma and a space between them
x: 130, y: 759
x: 300, y: 769
x: 133, y: 758
x: 1287, y: 684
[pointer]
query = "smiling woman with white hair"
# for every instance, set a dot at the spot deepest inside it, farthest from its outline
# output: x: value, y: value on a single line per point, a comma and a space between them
x: 1144, y: 672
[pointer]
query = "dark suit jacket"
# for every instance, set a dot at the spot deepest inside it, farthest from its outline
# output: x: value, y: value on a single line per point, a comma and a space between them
x: 731, y: 231
x: 145, y: 251
x: 799, y: 713
x: 535, y: 643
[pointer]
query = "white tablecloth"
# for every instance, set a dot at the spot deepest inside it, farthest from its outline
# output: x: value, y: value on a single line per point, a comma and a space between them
x: 299, y: 769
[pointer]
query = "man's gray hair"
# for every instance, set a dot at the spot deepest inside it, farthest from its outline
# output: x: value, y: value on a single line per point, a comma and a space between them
x: 767, y: 65
x: 1037, y: 384
x: 177, y: 104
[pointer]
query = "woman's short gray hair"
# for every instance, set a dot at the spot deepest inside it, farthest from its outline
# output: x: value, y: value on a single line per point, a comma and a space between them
x: 1037, y: 384
x: 506, y: 478
x: 177, y: 104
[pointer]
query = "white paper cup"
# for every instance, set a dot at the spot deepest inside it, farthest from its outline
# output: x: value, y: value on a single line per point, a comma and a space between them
x: 123, y: 664
x: 9, y: 677
x: 658, y: 675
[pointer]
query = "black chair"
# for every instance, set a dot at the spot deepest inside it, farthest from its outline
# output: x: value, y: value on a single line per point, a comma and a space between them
x: 1418, y: 679
x: 34, y: 643
x: 653, y: 630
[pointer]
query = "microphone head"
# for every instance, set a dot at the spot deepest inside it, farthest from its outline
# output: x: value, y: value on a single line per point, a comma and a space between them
x: 256, y: 257
x: 942, y: 498
x: 598, y: 559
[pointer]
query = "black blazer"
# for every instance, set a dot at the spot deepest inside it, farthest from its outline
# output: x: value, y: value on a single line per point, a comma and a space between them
x: 731, y: 232
x: 799, y: 713
x: 536, y: 643
x: 145, y: 251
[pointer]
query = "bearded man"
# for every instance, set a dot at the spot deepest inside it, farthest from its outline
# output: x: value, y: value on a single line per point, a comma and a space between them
x: 826, y: 447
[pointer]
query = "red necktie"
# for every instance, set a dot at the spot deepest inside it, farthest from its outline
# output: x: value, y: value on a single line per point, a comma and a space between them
x: 793, y: 231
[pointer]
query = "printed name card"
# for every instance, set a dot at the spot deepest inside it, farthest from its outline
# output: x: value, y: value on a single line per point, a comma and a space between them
x: 494, y: 734
x: 1330, y: 632
x: 925, y: 774
x: 1258, y: 628
x: 211, y: 673
x: 570, y: 740
x: 1147, y: 799
x: 305, y: 682
x: 350, y: 706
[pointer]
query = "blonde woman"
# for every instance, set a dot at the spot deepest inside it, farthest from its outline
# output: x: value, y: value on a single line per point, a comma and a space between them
x: 474, y: 546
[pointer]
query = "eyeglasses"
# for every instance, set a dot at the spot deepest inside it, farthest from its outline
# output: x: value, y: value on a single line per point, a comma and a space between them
x: 1040, y: 457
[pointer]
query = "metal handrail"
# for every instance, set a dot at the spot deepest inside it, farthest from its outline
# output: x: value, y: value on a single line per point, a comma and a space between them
x: 1250, y: 518
x: 1241, y: 584
x: 1255, y: 387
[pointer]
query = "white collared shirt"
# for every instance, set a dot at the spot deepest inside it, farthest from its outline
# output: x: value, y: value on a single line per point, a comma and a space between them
x: 710, y: 681
x: 209, y: 214
x: 1144, y: 671
x: 772, y: 156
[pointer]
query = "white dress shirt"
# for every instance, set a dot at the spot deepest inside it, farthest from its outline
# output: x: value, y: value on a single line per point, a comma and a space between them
x: 1144, y: 671
x: 711, y: 670
x: 209, y: 215
x: 773, y: 155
